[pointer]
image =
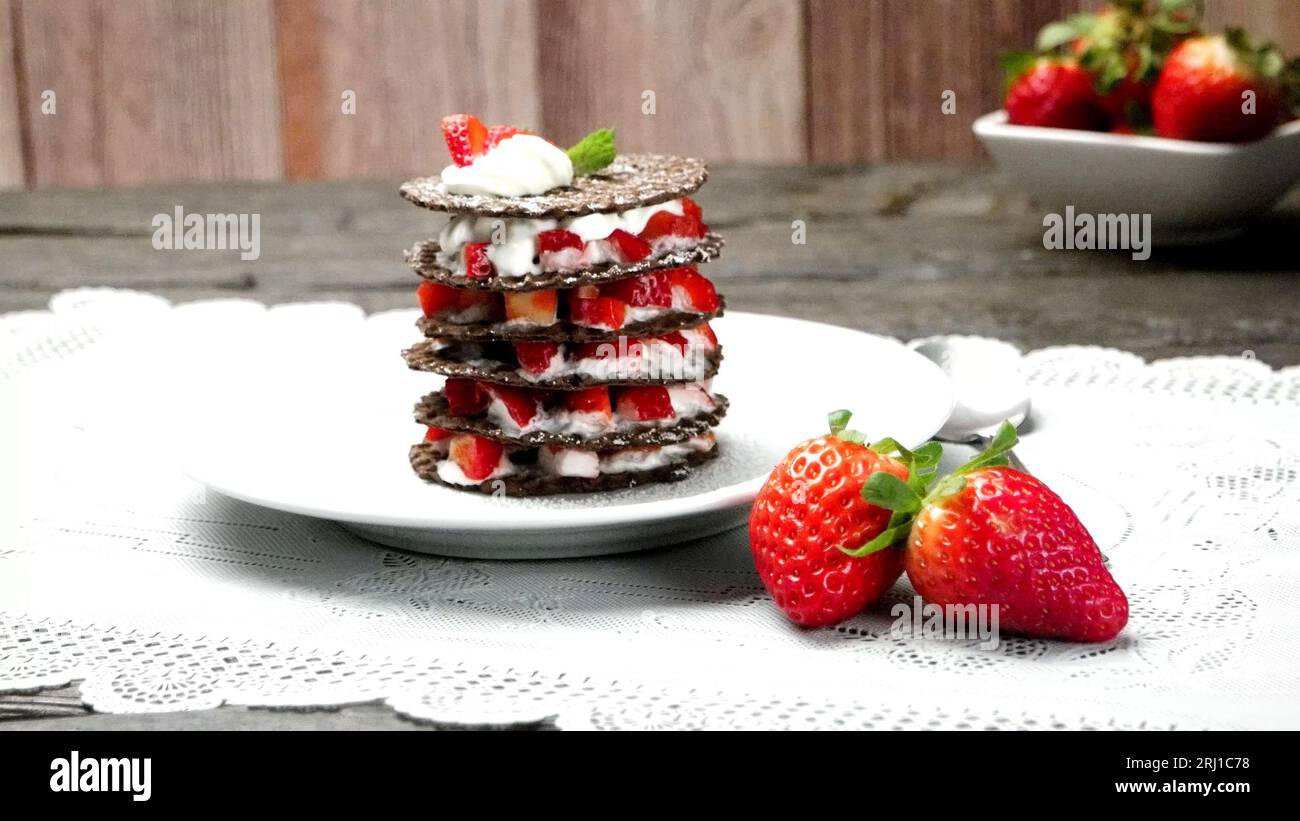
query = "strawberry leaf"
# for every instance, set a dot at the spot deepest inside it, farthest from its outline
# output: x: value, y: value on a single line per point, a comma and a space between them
x: 883, y: 539
x: 839, y: 420
x: 1014, y: 64
x: 857, y: 437
x: 888, y: 491
x: 1054, y: 35
x: 928, y: 455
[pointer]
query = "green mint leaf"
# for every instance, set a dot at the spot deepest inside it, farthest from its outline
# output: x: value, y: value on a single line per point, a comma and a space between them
x: 888, y: 491
x: 857, y: 437
x: 593, y: 152
x: 839, y: 419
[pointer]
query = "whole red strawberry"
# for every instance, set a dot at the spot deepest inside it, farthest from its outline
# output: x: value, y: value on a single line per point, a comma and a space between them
x: 990, y: 535
x: 1122, y: 47
x: 1219, y: 89
x: 1054, y: 93
x: 810, y: 508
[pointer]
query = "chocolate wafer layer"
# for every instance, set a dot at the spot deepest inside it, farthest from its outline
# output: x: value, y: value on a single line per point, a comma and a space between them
x: 426, y: 356
x: 633, y: 180
x: 423, y: 258
x: 425, y: 459
x: 433, y: 410
x: 565, y: 331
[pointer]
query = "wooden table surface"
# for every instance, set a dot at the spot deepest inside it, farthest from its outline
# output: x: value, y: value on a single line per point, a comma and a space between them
x: 902, y: 250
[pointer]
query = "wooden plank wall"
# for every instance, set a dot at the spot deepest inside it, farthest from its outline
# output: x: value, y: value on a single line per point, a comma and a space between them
x: 153, y: 90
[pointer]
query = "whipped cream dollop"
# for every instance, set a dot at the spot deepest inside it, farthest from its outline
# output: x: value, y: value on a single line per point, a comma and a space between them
x: 517, y: 166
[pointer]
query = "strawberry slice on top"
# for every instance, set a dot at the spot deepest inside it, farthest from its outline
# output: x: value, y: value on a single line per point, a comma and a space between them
x: 466, y: 136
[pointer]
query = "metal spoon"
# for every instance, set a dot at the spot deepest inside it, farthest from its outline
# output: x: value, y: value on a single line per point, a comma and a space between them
x: 985, y: 376
x: 988, y: 388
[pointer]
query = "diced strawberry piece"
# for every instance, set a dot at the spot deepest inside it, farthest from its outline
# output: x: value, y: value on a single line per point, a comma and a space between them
x: 602, y: 312
x: 465, y: 397
x: 645, y: 403
x: 629, y: 248
x: 661, y: 224
x: 557, y: 240
x: 436, y: 434
x: 477, y: 456
x: 466, y: 137
x: 536, y: 307
x: 535, y: 357
x: 667, y: 224
x: 692, y: 210
x: 497, y: 133
x: 469, y: 298
x: 521, y: 403
x: 707, y: 332
x: 652, y: 289
x: 477, y: 264
x: 589, y: 400
x: 696, y: 293
x: 676, y: 339
x: 436, y: 298
x: 592, y: 350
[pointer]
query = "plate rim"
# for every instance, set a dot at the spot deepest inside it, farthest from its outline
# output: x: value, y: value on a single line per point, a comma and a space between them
x: 708, y: 502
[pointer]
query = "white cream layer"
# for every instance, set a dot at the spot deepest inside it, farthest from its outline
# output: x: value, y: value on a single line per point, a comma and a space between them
x: 650, y: 359
x: 688, y: 401
x: 513, y: 242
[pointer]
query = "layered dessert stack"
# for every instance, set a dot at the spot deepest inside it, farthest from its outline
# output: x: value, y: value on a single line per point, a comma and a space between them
x: 563, y: 303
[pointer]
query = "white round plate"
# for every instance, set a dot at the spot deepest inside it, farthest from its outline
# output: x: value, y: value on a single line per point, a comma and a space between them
x: 326, y: 435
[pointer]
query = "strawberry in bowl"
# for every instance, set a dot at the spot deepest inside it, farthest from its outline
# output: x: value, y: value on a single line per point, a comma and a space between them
x: 1202, y: 136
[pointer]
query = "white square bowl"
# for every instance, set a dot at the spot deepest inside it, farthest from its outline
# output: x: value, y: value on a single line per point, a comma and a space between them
x: 1193, y: 191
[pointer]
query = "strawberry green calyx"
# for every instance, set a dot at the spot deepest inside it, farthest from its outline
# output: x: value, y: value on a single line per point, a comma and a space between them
x: 1014, y: 64
x: 906, y: 499
x: 593, y: 152
x: 1127, y: 40
x: 839, y: 425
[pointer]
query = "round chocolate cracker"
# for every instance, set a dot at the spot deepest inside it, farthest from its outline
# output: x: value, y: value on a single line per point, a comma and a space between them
x: 631, y: 181
x: 565, y: 331
x: 423, y: 258
x: 433, y: 410
x: 429, y: 356
x: 425, y: 459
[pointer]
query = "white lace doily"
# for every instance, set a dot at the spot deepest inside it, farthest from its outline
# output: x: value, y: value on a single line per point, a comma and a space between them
x: 117, y: 571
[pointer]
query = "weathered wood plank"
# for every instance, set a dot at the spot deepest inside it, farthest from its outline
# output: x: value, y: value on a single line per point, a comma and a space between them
x: 1277, y: 20
x: 62, y: 56
x: 11, y: 135
x: 877, y: 72
x: 727, y: 75
x: 407, y: 63
x: 148, y: 91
